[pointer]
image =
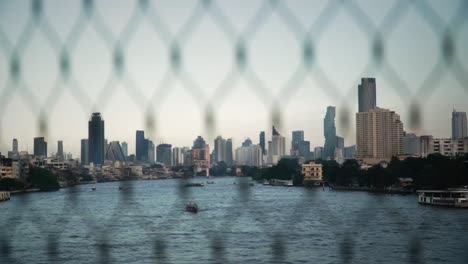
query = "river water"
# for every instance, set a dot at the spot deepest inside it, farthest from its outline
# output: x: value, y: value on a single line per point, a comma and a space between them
x: 146, y: 223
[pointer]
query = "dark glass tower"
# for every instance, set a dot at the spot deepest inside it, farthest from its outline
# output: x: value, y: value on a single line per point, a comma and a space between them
x: 164, y: 154
x: 141, y: 146
x: 329, y: 133
x: 262, y: 142
x: 367, y: 95
x: 40, y: 147
x: 96, y: 139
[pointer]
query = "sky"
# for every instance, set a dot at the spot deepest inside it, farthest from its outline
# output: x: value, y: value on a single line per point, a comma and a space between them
x: 273, y: 85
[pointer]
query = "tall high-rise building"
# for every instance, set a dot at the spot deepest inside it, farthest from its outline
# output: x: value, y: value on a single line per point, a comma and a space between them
x: 229, y: 152
x: 187, y: 154
x: 164, y: 154
x: 96, y: 144
x: 151, y: 152
x: 411, y: 144
x: 459, y: 126
x: 15, y: 145
x: 219, y: 149
x: 298, y: 135
x: 84, y: 152
x: 379, y: 135
x: 125, y: 148
x: 177, y: 157
x: 247, y: 142
x: 349, y: 152
x: 105, y: 147
x: 318, y: 153
x: 329, y: 131
x: 304, y: 149
x: 367, y: 94
x: 201, y: 156
x: 297, y: 138
x: 114, y: 152
x: 277, y: 147
x: 60, y: 155
x: 249, y: 155
x: 262, y: 142
x: 340, y: 142
x: 40, y: 147
x: 141, y: 146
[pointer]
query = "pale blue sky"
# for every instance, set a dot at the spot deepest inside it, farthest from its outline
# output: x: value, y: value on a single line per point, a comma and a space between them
x: 342, y: 50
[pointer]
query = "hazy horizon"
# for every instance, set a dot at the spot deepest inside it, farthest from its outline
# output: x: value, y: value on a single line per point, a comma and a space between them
x: 342, y: 51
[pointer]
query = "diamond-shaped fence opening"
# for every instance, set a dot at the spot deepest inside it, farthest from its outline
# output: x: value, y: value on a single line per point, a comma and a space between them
x: 94, y: 47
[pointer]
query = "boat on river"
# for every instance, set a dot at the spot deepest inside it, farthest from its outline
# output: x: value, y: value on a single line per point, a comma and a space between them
x: 194, y: 184
x: 448, y: 198
x: 191, y: 207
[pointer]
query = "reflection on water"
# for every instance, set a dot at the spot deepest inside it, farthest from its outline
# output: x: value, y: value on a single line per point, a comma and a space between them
x: 146, y: 221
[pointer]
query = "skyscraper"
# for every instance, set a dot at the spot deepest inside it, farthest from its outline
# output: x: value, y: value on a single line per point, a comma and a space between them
x: 297, y: 138
x: 379, y: 135
x: 304, y: 149
x: 40, y: 147
x: 367, y: 95
x: 329, y: 131
x: 411, y: 144
x: 318, y: 153
x: 177, y: 157
x: 96, y: 139
x: 151, y: 151
x: 219, y: 149
x: 60, y: 155
x: 84, y: 152
x: 15, y: 145
x: 247, y: 142
x: 201, y: 156
x: 229, y: 151
x: 459, y: 126
x: 164, y: 154
x: 262, y: 142
x: 277, y: 148
x: 249, y: 155
x: 141, y: 146
x: 125, y: 148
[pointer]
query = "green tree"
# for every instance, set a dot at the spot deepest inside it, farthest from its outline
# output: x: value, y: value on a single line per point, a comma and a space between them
x: 43, y: 179
x: 9, y: 184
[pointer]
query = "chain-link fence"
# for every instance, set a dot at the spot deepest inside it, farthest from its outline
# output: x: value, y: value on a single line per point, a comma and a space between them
x: 307, y: 24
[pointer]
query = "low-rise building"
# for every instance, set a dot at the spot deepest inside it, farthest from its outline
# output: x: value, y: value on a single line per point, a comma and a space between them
x: 443, y: 146
x: 312, y: 173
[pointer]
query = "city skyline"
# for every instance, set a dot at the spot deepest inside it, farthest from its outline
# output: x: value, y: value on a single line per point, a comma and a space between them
x: 141, y: 136
x: 179, y: 115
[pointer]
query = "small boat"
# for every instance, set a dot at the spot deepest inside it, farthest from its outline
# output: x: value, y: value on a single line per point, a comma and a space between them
x: 448, y: 198
x: 93, y: 189
x: 120, y: 188
x: 194, y: 184
x: 191, y: 207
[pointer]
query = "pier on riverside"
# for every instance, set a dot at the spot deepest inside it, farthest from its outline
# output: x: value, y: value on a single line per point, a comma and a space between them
x: 4, y: 196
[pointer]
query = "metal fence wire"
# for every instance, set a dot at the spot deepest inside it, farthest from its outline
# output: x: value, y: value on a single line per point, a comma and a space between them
x: 448, y: 62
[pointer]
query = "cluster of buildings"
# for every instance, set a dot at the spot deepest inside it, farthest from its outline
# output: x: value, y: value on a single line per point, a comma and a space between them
x: 380, y: 135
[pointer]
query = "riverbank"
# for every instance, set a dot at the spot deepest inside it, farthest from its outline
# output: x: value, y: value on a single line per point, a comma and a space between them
x: 372, y: 190
x: 31, y: 190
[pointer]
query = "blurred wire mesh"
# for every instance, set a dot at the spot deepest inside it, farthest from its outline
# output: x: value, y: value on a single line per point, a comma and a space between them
x: 176, y: 69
